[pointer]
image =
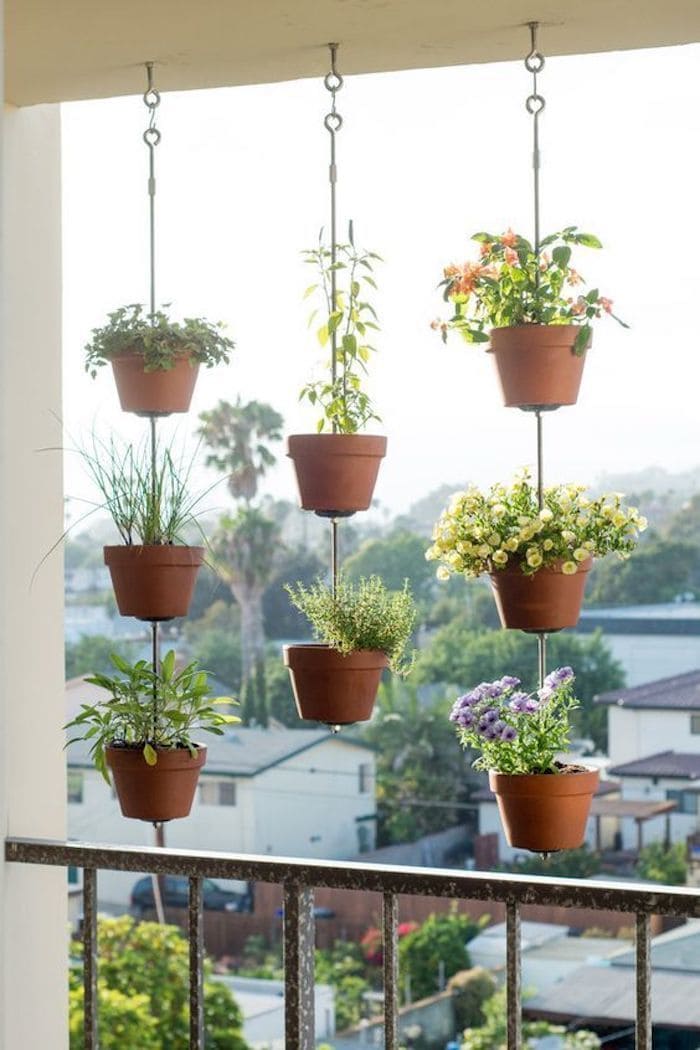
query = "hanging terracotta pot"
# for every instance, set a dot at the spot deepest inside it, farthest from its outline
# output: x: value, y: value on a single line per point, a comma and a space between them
x: 537, y: 366
x: 153, y: 582
x: 544, y: 812
x: 548, y: 600
x: 164, y: 791
x: 154, y: 393
x: 336, y: 473
x: 332, y: 688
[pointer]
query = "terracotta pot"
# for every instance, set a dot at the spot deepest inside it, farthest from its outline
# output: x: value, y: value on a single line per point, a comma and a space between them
x: 537, y: 365
x: 153, y: 582
x: 154, y: 393
x: 546, y: 601
x: 161, y: 792
x: 336, y: 473
x: 332, y: 688
x: 544, y: 812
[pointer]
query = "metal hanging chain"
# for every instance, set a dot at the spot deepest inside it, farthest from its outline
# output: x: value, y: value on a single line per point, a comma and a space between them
x: 535, y: 103
x: 333, y: 122
x: 151, y: 137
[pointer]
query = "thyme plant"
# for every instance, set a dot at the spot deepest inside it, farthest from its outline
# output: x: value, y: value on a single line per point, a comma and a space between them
x: 360, y: 616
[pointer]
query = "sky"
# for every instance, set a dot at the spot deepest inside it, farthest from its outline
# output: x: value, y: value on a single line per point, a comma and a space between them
x: 425, y: 159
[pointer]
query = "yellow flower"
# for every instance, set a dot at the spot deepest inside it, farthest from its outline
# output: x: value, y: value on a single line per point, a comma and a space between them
x: 500, y: 558
x: 548, y: 544
x: 569, y: 568
x: 580, y: 554
x: 455, y: 560
x: 534, y: 558
x: 512, y: 544
x: 431, y: 554
x: 546, y: 514
x: 642, y: 523
x: 619, y: 519
x: 498, y: 510
x: 589, y: 545
x: 443, y: 573
x: 494, y: 539
x: 568, y: 536
x: 484, y: 550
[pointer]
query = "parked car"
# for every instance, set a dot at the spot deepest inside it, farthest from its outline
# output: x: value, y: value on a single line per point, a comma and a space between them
x: 176, y: 890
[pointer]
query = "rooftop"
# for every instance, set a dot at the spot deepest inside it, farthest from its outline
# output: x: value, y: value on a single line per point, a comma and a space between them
x: 680, y: 692
x: 663, y: 764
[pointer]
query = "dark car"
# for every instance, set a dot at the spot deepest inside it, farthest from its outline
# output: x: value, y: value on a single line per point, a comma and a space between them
x: 176, y: 890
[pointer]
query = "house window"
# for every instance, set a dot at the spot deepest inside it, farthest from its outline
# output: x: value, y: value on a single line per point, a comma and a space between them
x: 75, y: 786
x: 695, y: 724
x: 218, y: 793
x: 364, y: 838
x: 687, y: 801
x: 73, y: 876
x: 364, y: 778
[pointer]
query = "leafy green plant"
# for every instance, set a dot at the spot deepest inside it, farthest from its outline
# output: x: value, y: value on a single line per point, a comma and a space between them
x: 149, y: 709
x: 345, y: 406
x: 482, y: 532
x: 661, y: 863
x: 359, y: 616
x: 517, y: 732
x: 512, y: 284
x: 158, y: 339
x: 441, y: 939
x: 493, y: 1033
x: 146, y: 495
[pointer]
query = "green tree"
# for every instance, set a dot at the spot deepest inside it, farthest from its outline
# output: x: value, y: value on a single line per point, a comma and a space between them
x: 238, y: 437
x: 216, y: 643
x: 419, y: 761
x: 91, y: 654
x: 493, y: 1034
x: 437, y: 949
x: 148, y: 965
x: 244, y: 545
x: 397, y: 557
x: 471, y: 989
x: 344, y: 968
x: 658, y: 571
x: 460, y: 658
x: 282, y: 620
x: 666, y: 864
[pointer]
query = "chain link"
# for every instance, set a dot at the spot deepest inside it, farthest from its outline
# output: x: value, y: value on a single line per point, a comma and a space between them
x: 535, y: 103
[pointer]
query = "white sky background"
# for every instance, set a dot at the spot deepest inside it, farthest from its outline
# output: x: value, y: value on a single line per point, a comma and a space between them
x: 425, y: 159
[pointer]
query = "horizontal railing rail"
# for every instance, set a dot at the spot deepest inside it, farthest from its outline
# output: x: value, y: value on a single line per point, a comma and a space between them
x: 299, y: 878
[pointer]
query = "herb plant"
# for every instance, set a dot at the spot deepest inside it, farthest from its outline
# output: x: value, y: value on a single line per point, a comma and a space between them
x: 513, y: 285
x: 146, y: 496
x: 482, y: 532
x: 360, y: 616
x: 158, y: 339
x: 345, y: 406
x: 150, y: 709
x: 517, y: 732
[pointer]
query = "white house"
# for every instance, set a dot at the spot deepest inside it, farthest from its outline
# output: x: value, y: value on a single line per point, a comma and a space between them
x: 284, y: 792
x: 262, y: 1005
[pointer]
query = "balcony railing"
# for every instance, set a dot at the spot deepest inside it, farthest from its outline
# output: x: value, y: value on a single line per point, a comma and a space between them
x: 299, y: 878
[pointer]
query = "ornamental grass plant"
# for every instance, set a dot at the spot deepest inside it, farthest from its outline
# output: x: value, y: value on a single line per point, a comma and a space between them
x: 512, y: 284
x: 514, y: 731
x: 482, y: 532
x: 362, y: 616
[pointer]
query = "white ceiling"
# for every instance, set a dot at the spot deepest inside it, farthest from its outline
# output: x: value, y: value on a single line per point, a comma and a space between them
x: 73, y: 49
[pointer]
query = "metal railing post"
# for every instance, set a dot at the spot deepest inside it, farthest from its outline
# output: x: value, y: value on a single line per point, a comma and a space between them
x: 196, y: 937
x: 90, y: 1005
x: 299, y: 951
x: 390, y: 923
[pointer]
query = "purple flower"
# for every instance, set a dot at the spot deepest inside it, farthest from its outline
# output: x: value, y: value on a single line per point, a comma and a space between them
x: 546, y: 692
x: 498, y: 727
x: 560, y: 677
x: 490, y: 733
x: 509, y: 682
x: 465, y: 718
x: 518, y: 701
x: 483, y: 727
x: 530, y: 706
x: 490, y: 715
x: 509, y: 734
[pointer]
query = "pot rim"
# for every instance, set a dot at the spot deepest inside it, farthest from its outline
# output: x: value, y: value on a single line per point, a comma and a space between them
x: 583, y: 781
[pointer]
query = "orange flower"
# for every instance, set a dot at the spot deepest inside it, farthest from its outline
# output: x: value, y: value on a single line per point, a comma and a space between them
x: 579, y: 306
x: 606, y: 304
x: 509, y: 239
x: 484, y: 249
x: 511, y: 257
x: 574, y: 277
x: 451, y: 271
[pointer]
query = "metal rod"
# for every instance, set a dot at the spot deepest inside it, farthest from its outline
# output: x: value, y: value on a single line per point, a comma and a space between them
x: 643, y: 973
x: 349, y: 875
x: 196, y: 935
x: 513, y: 976
x: 335, y: 566
x: 158, y: 881
x: 542, y: 657
x: 390, y: 938
x: 534, y: 63
x: 540, y: 459
x: 90, y: 1007
x: 299, y: 1027
x: 333, y: 83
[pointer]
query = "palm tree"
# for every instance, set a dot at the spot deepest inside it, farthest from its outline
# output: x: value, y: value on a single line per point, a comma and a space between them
x: 245, y: 544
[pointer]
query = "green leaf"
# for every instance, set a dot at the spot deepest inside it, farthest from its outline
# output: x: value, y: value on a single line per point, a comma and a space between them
x: 323, y: 334
x: 150, y: 755
x: 561, y: 255
x: 168, y: 665
x: 588, y: 240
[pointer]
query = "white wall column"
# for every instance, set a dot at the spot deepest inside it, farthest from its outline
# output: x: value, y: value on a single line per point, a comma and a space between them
x: 33, y: 959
